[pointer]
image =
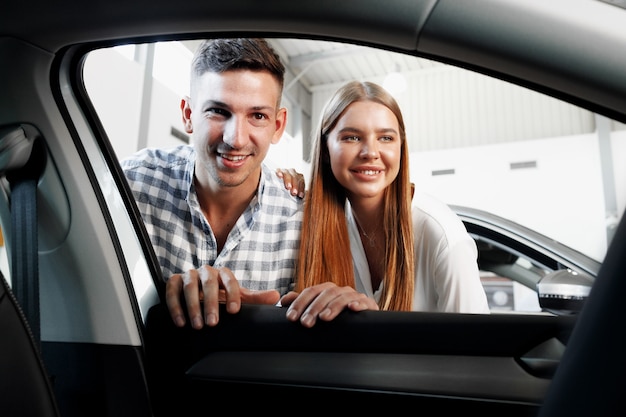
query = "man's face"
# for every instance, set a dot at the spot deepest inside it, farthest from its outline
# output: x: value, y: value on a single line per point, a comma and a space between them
x: 233, y: 118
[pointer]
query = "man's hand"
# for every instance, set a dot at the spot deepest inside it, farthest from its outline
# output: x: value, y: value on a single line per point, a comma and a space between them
x: 209, y: 286
x: 324, y: 301
x: 293, y: 180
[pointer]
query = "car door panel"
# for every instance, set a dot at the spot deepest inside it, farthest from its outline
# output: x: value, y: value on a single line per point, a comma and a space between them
x: 493, y: 362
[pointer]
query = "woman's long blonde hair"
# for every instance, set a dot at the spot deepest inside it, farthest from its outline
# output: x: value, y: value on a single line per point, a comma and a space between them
x: 325, y: 246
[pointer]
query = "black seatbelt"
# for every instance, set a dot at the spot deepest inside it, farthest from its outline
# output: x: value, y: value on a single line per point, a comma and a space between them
x: 24, y: 247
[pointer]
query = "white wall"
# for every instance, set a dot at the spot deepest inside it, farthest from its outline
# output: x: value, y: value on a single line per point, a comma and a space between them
x: 564, y: 189
x: 114, y: 84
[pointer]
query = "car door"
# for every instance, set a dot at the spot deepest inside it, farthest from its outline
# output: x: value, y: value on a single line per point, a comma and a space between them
x: 523, y: 270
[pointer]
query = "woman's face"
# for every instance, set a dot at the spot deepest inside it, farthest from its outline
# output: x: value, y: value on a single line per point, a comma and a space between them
x: 364, y: 149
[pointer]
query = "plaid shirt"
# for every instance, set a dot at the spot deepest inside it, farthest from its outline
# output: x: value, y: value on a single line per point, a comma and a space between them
x: 262, y: 247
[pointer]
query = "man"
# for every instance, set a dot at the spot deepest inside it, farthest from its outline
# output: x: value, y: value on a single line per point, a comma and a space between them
x: 224, y: 227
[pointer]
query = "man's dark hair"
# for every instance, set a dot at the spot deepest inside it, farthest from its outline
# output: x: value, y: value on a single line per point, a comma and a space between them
x: 220, y: 55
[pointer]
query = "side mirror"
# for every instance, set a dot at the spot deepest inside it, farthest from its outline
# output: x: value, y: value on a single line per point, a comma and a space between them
x: 564, y: 291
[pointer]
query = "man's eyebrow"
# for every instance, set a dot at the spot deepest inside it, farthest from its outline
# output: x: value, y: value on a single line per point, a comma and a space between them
x: 262, y: 108
x: 215, y: 103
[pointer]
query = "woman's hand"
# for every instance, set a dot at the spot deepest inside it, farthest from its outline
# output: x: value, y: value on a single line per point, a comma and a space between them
x: 324, y: 301
x: 293, y: 180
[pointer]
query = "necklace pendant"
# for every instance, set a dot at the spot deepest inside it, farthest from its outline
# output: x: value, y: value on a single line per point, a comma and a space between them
x: 371, y: 241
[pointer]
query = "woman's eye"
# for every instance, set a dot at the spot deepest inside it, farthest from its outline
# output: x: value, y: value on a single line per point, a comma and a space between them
x: 351, y: 138
x: 386, y: 139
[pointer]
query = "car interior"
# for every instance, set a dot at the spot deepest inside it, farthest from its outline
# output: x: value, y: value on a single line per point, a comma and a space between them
x: 83, y: 321
x: 24, y: 375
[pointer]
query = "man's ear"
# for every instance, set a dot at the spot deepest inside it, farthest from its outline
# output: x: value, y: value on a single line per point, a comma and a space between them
x: 281, y: 123
x: 185, y: 108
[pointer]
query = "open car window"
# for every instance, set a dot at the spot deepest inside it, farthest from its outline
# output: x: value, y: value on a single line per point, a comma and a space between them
x: 526, y: 161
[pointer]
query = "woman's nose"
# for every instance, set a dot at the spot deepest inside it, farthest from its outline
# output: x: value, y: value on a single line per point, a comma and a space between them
x: 369, y: 150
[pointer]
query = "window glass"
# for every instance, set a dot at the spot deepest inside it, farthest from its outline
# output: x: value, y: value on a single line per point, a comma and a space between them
x: 475, y: 141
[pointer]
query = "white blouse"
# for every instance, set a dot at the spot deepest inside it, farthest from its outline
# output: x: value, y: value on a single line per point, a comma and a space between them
x: 446, y: 268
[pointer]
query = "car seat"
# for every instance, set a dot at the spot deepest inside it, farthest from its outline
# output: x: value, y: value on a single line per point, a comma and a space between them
x: 25, y: 389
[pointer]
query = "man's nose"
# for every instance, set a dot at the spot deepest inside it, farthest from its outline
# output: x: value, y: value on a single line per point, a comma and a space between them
x: 235, y: 132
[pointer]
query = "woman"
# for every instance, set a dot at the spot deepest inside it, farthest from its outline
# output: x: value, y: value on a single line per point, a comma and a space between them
x: 363, y: 229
